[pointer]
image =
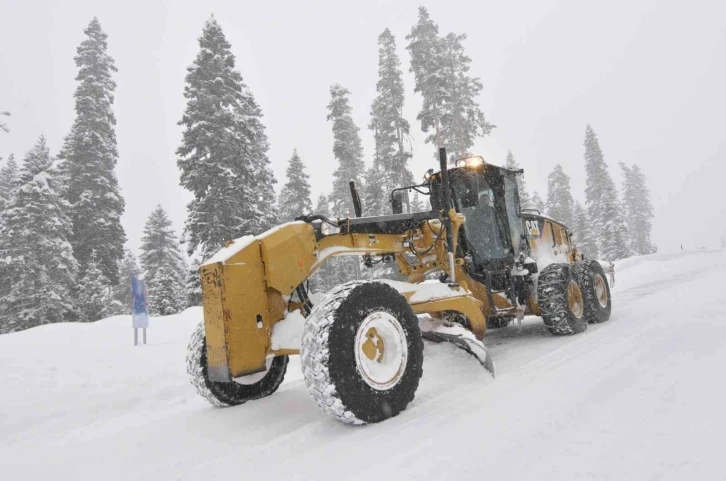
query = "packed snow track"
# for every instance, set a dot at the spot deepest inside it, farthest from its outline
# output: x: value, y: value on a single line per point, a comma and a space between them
x: 638, y: 397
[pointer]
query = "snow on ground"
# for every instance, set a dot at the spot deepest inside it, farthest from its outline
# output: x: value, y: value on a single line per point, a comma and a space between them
x: 639, y: 397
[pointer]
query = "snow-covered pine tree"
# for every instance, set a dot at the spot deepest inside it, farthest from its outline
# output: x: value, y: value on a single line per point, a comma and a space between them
x: 3, y: 126
x: 89, y: 157
x: 615, y: 238
x: 374, y: 193
x: 295, y: 195
x: 164, y: 289
x: 603, y: 206
x: 583, y: 232
x: 512, y: 164
x: 34, y: 248
x: 391, y: 130
x: 463, y: 120
x: 638, y: 209
x: 223, y: 155
x: 537, y: 203
x: 326, y: 277
x: 160, y: 247
x: 347, y: 149
x: 94, y: 295
x: 193, y: 284
x: 121, y: 293
x: 322, y: 206
x: 450, y: 113
x: 8, y: 172
x: 559, y: 197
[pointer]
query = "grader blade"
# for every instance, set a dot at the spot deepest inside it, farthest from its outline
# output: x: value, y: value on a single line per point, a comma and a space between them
x: 472, y: 346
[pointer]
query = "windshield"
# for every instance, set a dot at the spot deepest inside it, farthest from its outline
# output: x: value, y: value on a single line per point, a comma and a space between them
x: 484, y: 227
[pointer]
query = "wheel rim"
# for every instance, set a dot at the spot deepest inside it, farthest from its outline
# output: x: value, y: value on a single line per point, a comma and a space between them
x: 575, y: 299
x: 601, y: 291
x: 256, y: 377
x: 381, y: 350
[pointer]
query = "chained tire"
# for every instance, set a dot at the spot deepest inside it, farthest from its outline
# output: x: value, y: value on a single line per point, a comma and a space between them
x: 595, y: 289
x: 561, y: 300
x: 362, y: 352
x: 241, y: 390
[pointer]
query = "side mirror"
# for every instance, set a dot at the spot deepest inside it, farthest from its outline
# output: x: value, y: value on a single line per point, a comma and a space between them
x: 397, y: 203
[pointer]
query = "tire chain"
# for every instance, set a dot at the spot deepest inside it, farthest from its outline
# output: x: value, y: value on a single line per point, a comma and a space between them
x: 552, y: 295
x: 314, y: 353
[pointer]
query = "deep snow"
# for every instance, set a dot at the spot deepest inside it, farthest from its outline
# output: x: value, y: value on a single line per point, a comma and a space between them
x: 638, y: 397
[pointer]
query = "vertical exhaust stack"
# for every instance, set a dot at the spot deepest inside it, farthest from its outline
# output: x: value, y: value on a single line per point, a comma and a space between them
x: 446, y: 198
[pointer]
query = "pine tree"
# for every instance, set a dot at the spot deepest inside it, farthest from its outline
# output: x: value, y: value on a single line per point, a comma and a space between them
x: 34, y: 249
x: 537, y: 203
x: 3, y: 126
x: 417, y: 205
x: 121, y: 293
x: 326, y: 277
x: 583, y: 232
x: 223, y: 155
x: 7, y: 177
x: 615, y: 238
x: 322, y: 207
x: 193, y: 284
x: 638, y: 209
x: 374, y: 193
x: 164, y: 289
x: 441, y: 72
x: 390, y: 129
x: 524, y: 199
x: 347, y: 149
x: 295, y: 195
x: 89, y: 157
x: 604, y: 208
x: 159, y: 247
x: 94, y: 296
x: 559, y: 197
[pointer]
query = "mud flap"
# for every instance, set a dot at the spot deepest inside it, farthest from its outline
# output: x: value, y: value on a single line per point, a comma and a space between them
x: 472, y: 346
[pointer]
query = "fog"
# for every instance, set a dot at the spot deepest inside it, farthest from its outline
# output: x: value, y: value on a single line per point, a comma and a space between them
x: 648, y: 76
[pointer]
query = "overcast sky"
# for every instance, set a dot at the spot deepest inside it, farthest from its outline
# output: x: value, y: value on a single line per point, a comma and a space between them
x: 649, y: 76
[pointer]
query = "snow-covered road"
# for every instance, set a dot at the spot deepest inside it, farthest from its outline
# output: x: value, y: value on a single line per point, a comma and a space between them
x: 639, y: 397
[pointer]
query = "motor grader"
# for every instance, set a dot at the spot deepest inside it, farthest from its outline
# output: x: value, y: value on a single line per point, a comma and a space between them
x: 476, y: 260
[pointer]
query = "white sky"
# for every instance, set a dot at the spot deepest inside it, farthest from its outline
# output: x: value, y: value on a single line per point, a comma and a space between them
x: 648, y: 75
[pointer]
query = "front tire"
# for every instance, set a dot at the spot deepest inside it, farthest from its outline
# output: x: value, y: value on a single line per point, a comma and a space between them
x: 561, y: 300
x: 224, y: 394
x: 595, y: 288
x: 362, y: 352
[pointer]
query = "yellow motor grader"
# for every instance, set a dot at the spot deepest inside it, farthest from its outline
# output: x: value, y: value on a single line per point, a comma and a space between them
x: 361, y: 343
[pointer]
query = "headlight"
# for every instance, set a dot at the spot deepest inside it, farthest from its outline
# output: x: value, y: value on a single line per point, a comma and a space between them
x: 474, y: 161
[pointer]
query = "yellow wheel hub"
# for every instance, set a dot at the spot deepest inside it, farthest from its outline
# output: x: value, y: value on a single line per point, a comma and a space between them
x: 381, y: 350
x: 601, y: 291
x: 574, y: 298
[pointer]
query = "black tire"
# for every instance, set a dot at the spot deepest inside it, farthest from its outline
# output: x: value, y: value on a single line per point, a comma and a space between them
x: 553, y: 293
x: 595, y: 288
x: 498, y: 322
x: 329, y: 353
x: 223, y: 394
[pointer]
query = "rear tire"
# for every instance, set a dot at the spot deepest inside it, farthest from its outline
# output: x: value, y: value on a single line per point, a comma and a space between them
x: 224, y: 394
x: 561, y: 300
x: 362, y: 352
x: 595, y: 289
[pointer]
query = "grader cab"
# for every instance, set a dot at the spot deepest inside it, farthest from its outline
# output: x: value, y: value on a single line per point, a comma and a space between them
x: 476, y: 260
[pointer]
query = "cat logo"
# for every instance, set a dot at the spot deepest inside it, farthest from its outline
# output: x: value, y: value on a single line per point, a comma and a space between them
x: 533, y: 228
